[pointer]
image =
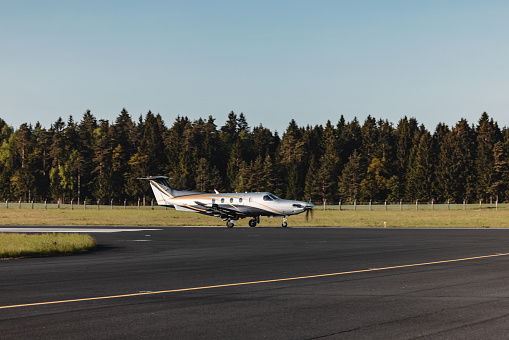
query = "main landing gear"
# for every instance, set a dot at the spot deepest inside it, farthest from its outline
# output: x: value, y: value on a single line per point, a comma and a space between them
x: 255, y: 220
x: 230, y: 223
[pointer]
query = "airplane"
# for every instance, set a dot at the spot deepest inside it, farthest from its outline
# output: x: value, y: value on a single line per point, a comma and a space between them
x: 228, y: 206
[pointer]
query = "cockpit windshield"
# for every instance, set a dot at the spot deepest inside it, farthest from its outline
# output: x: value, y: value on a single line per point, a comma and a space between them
x: 270, y: 197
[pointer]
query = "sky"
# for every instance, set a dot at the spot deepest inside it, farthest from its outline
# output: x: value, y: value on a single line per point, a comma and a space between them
x: 312, y: 61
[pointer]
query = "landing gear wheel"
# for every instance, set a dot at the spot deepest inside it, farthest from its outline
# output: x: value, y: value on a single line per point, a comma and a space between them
x: 252, y: 223
x: 284, y: 225
x: 230, y: 224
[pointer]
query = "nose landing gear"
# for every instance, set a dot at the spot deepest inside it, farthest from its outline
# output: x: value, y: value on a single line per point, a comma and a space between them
x: 284, y: 225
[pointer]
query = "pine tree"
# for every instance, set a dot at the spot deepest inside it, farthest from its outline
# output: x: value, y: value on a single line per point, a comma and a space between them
x: 311, y: 189
x: 103, y: 155
x: 454, y: 172
x: 350, y: 140
x: 500, y: 178
x: 58, y: 154
x: 8, y: 161
x: 488, y: 135
x: 369, y: 133
x: 405, y: 140
x: 374, y: 184
x: 23, y: 179
x: 328, y: 165
x: 420, y: 172
x: 255, y: 176
x: 269, y: 177
x: 86, y: 182
x: 290, y: 156
x: 350, y: 179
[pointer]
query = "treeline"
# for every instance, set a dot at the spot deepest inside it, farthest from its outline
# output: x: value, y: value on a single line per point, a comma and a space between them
x: 373, y: 160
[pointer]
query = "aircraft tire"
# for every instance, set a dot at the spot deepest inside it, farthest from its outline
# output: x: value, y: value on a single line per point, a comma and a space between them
x: 229, y: 224
x: 284, y: 225
x: 252, y: 223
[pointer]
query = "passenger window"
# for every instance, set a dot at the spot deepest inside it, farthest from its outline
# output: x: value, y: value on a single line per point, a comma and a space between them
x: 231, y: 200
x: 222, y: 200
x: 240, y: 200
x: 213, y: 201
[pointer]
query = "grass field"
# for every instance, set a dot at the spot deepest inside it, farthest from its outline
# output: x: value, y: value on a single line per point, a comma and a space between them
x: 407, y: 217
x: 23, y: 245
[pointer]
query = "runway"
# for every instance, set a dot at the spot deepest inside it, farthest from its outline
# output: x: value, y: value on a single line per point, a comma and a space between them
x: 285, y: 283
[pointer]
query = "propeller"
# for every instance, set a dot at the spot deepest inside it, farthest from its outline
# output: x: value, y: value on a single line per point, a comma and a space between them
x: 309, y: 209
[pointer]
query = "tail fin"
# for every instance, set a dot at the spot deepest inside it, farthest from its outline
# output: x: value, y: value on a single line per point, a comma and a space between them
x: 162, y: 191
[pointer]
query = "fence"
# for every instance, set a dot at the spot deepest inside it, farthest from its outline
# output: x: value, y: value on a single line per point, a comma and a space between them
x: 84, y: 205
x: 380, y: 206
x: 349, y: 206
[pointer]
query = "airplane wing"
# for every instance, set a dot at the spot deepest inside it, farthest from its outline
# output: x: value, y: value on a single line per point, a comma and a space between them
x: 232, y: 212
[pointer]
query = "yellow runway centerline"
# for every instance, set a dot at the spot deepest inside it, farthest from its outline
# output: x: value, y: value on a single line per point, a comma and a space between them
x: 252, y: 282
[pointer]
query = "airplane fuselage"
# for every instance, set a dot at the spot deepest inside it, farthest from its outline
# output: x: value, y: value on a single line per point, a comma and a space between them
x: 245, y: 204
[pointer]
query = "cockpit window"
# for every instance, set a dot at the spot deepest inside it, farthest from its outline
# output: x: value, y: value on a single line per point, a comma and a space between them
x: 270, y: 197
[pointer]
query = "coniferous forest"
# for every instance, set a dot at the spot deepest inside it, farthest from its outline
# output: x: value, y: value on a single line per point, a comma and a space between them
x: 371, y: 160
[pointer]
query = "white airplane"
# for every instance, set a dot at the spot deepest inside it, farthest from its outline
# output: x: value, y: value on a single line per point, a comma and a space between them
x: 228, y: 206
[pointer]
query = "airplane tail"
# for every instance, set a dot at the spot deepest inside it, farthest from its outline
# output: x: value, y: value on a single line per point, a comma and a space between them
x: 162, y: 191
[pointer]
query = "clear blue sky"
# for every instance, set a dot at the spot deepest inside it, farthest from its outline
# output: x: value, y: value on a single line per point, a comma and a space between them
x: 437, y: 61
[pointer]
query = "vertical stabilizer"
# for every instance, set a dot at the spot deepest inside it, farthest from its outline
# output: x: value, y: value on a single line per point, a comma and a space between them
x: 162, y: 191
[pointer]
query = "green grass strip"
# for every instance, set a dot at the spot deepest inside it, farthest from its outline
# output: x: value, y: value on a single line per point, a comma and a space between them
x: 25, y: 245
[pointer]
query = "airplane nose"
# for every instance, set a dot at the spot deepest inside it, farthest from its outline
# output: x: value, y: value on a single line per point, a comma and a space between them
x: 304, y: 205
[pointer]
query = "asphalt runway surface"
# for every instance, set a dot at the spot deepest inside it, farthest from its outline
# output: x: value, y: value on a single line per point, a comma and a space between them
x: 264, y: 283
